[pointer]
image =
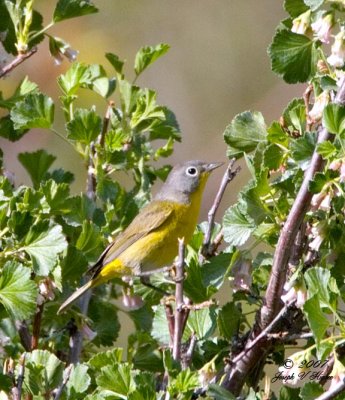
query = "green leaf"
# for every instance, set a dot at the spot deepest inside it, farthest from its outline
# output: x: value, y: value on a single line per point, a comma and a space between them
x: 105, y: 358
x: 295, y: 7
x: 314, y: 4
x: 56, y: 196
x: 311, y: 391
x: 37, y: 165
x: 319, y: 180
x: 79, y: 380
x: 288, y: 393
x: 145, y: 352
x: 115, y: 140
x: 34, y: 111
x: 99, y: 81
x: 194, y: 283
x: 73, y: 265
x: 326, y: 149
x: 18, y: 293
x: 317, y: 280
x: 148, y: 55
x: 245, y: 132
x: 202, y: 323
x: 236, y: 227
x: 85, y: 126
x: 7, y: 130
x: 328, y: 83
x: 273, y: 157
x: 302, y: 149
x: 217, y: 392
x: 105, y: 322
x: 25, y: 87
x: 76, y: 76
x: 66, y: 9
x: 228, y: 320
x: 43, y: 372
x: 317, y: 320
x: 117, y: 379
x: 185, y: 382
x: 43, y: 247
x: 160, y: 329
x: 115, y: 62
x: 90, y: 241
x: 146, y: 110
x: 277, y: 134
x: 334, y: 119
x: 215, y: 272
x: 293, y: 56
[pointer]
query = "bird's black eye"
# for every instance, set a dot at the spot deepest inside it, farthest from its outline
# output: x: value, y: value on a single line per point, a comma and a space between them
x: 191, y: 171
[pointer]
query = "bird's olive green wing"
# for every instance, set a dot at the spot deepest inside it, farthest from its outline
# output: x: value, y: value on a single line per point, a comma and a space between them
x: 150, y: 218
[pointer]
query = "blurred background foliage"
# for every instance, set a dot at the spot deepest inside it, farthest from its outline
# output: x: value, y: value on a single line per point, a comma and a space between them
x: 217, y: 67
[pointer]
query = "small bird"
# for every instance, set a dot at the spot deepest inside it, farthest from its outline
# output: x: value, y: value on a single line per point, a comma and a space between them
x: 150, y: 241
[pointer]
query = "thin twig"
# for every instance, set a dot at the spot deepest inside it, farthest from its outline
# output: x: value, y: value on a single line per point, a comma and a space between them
x: 36, y: 329
x: 16, y: 61
x: 179, y: 302
x: 61, y: 388
x: 76, y: 339
x: 263, y: 334
x: 333, y: 393
x: 286, y: 337
x: 17, y: 389
x: 229, y: 175
x: 187, y: 357
x: 105, y: 124
x: 200, y: 306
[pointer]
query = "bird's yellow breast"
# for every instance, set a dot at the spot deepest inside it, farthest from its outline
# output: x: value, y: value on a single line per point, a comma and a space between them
x: 159, y: 247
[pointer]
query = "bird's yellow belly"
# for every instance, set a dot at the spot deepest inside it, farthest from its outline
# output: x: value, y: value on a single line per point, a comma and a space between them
x: 159, y: 248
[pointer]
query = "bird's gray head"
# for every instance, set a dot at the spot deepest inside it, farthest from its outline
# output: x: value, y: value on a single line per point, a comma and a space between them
x: 186, y: 179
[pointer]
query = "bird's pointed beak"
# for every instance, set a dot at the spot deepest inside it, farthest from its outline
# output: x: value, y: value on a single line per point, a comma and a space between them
x: 211, y: 166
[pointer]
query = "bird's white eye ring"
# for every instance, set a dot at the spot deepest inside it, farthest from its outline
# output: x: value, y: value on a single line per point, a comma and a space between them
x: 191, y: 171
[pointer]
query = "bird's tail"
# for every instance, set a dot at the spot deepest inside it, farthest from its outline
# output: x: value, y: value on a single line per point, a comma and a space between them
x: 76, y: 295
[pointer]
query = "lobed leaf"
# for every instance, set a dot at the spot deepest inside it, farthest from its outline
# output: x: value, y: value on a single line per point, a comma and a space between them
x: 245, y: 132
x: 293, y: 56
x: 66, y: 9
x: 148, y: 55
x: 18, y: 292
x: 34, y: 111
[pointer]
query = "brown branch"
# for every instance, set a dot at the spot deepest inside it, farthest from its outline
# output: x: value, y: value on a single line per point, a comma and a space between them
x: 207, y: 248
x: 291, y: 227
x: 333, y: 393
x: 36, y: 329
x: 186, y: 359
x: 238, y: 372
x: 179, y: 312
x: 17, y: 61
x: 262, y: 334
x: 24, y: 335
x: 17, y: 389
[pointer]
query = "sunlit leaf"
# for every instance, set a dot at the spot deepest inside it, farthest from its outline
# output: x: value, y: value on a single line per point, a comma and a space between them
x: 18, y: 292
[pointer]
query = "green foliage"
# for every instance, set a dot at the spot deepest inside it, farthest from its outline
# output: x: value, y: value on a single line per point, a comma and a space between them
x: 293, y: 56
x: 17, y: 291
x: 49, y: 236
